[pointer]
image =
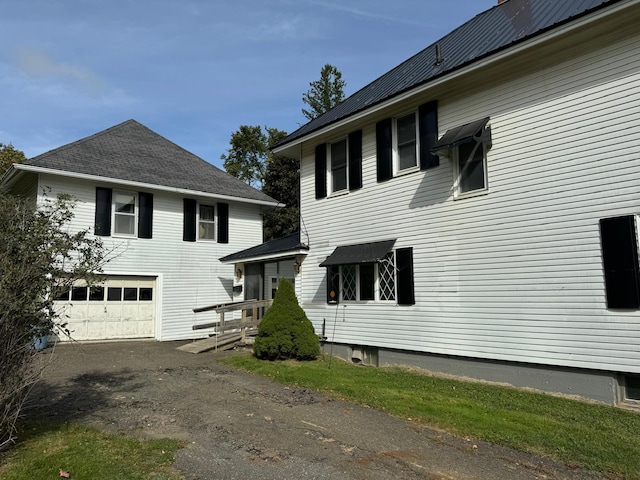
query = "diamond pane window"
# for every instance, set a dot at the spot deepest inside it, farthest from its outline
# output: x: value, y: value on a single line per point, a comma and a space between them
x: 387, y: 276
x: 348, y: 282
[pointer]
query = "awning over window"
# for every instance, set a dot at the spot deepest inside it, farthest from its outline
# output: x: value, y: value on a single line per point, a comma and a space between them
x: 360, y: 253
x: 474, y: 131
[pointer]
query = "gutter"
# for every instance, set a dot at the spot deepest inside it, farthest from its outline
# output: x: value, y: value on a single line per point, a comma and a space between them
x: 149, y: 186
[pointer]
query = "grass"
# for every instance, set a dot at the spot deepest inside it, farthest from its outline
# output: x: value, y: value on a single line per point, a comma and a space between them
x: 596, y: 437
x: 46, y: 449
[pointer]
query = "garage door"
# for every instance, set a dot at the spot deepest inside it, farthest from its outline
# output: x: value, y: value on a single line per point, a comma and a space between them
x: 121, y: 307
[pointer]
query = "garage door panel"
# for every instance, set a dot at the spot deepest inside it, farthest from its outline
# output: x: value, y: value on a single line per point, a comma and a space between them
x: 112, y: 311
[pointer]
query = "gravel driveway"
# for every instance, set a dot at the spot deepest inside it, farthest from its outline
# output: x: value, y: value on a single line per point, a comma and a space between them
x: 241, y: 426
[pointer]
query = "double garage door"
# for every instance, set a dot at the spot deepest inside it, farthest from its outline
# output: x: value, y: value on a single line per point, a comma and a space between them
x: 121, y: 307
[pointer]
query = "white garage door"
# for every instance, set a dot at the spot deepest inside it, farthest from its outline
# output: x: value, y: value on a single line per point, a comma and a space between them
x: 121, y: 307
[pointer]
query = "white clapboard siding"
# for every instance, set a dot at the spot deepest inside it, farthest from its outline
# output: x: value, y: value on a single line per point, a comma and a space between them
x: 516, y: 273
x: 189, y: 273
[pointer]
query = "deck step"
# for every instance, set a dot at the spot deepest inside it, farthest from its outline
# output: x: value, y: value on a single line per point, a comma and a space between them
x: 224, y: 341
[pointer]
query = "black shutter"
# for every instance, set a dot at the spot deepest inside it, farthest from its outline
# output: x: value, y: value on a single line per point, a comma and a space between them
x: 404, y: 269
x: 189, y: 221
x: 223, y: 223
x: 321, y: 170
x: 428, y: 118
x: 333, y: 284
x: 145, y: 216
x: 102, y: 225
x: 355, y: 160
x: 384, y: 150
x: 620, y: 261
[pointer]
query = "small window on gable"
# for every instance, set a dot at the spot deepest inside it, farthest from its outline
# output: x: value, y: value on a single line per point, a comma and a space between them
x: 338, y: 166
x: 206, y: 223
x: 124, y: 210
x: 406, y: 143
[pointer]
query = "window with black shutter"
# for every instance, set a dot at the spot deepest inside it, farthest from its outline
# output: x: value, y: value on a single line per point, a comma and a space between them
x: 102, y: 226
x: 223, y: 223
x: 145, y: 217
x: 189, y: 220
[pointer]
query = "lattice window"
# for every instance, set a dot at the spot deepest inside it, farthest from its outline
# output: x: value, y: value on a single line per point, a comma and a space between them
x: 349, y: 285
x: 387, y: 277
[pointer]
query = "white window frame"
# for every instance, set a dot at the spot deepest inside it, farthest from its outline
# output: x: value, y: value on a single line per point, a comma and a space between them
x: 376, y: 286
x: 330, y: 182
x: 200, y: 221
x: 396, y: 148
x: 133, y: 215
x: 457, y: 173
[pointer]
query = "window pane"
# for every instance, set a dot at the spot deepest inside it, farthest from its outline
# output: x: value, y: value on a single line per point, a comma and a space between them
x: 339, y: 165
x: 387, y: 276
x: 406, y: 127
x: 114, y: 294
x: 62, y: 295
x: 78, y: 294
x: 471, y: 167
x: 146, y: 294
x: 206, y: 212
x: 367, y: 282
x: 125, y: 202
x: 96, y: 294
x: 348, y: 282
x: 125, y: 224
x: 130, y: 294
x: 206, y: 231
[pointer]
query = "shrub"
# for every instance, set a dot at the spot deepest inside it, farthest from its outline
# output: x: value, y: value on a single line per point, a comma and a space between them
x: 285, y: 331
x: 39, y: 257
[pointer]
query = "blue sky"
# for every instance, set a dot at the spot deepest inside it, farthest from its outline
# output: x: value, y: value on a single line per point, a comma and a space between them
x: 194, y: 70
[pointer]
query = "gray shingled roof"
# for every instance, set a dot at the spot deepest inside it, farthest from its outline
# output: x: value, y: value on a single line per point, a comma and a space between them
x: 290, y: 243
x: 132, y: 152
x: 489, y: 32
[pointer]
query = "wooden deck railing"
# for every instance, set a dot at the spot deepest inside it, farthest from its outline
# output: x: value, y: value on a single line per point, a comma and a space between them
x: 246, y: 322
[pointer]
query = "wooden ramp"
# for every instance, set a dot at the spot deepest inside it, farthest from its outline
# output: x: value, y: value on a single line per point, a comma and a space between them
x: 224, y: 341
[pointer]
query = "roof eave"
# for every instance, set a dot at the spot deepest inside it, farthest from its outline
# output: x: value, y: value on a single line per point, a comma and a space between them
x: 130, y: 183
x: 474, y: 65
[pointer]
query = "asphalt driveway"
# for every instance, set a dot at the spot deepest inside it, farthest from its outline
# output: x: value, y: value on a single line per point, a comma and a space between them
x: 241, y: 426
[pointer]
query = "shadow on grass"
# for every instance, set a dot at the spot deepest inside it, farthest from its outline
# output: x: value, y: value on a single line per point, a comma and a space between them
x: 80, y: 397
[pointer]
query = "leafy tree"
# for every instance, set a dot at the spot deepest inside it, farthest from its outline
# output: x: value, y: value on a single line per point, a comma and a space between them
x: 39, y: 258
x: 281, y: 182
x: 9, y: 155
x: 247, y: 155
x: 285, y: 331
x: 325, y: 93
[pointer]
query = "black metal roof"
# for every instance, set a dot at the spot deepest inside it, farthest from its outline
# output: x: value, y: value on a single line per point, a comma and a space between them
x: 132, y: 152
x: 360, y: 253
x: 501, y: 26
x: 290, y: 243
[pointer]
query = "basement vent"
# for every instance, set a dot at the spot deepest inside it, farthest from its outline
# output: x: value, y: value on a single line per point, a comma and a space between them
x: 365, y: 356
x: 632, y: 388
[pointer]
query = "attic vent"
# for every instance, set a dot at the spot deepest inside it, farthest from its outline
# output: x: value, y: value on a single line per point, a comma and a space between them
x: 439, y: 58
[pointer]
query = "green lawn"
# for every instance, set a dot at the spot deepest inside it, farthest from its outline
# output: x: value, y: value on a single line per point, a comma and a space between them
x: 46, y: 449
x: 598, y: 437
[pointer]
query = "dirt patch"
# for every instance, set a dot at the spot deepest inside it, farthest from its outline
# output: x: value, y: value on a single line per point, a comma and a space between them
x: 237, y: 425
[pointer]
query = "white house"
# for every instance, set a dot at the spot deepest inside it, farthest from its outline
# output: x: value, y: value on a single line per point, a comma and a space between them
x: 474, y: 210
x: 164, y: 214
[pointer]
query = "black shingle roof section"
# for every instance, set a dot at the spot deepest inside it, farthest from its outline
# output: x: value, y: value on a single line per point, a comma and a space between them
x: 132, y: 152
x: 489, y: 32
x: 290, y: 243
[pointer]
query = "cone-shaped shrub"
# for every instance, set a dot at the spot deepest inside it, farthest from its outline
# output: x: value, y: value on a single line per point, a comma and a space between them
x: 285, y: 331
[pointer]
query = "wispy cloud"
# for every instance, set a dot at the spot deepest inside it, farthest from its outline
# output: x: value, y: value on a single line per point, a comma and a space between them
x: 38, y: 64
x: 361, y: 13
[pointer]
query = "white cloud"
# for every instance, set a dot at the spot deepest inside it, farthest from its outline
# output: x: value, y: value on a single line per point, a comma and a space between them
x: 37, y: 64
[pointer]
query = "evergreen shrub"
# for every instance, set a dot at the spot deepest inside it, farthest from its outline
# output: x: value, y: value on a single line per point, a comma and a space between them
x: 285, y: 332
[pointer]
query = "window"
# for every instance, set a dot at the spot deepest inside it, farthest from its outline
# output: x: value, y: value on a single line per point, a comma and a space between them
x: 78, y: 294
x: 124, y: 221
x: 200, y: 222
x: 471, y: 167
x: 369, y: 281
x: 619, y: 246
x: 130, y: 294
x: 206, y: 223
x: 406, y: 142
x: 96, y: 294
x: 338, y: 165
x: 129, y: 217
x: 114, y: 294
